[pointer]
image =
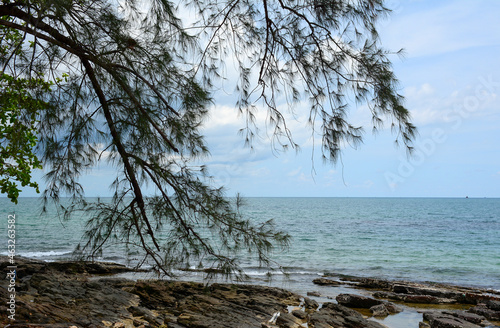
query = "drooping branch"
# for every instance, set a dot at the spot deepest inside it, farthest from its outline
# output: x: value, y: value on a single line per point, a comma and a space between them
x: 123, y: 153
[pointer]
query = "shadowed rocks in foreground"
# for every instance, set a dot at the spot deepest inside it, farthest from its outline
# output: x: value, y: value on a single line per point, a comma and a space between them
x: 75, y: 294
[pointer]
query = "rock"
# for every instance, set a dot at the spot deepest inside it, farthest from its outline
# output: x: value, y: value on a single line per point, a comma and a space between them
x: 374, y: 283
x: 422, y: 299
x: 493, y: 305
x: 288, y: 320
x: 384, y: 309
x: 441, y: 320
x: 316, y: 294
x: 325, y: 282
x: 357, y: 301
x: 147, y: 314
x: 477, y: 298
x: 426, y: 290
x: 379, y: 310
x: 486, y: 312
x: 423, y: 325
x: 300, y: 314
x: 392, y: 308
x: 338, y: 316
x: 435, y: 293
x: 310, y: 304
x: 72, y: 267
x: 63, y: 295
x: 471, y: 317
x: 141, y: 323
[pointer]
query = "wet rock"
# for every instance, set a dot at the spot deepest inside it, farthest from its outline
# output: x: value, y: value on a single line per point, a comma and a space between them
x: 64, y: 295
x: 379, y: 310
x: 338, y: 316
x: 374, y: 283
x: 486, y: 312
x: 408, y: 298
x: 478, y: 298
x: 435, y: 293
x: 300, y: 314
x: 325, y: 282
x: 493, y: 305
x: 425, y: 290
x: 288, y: 320
x: 441, y: 320
x: 316, y: 294
x: 471, y: 317
x: 357, y: 301
x: 310, y: 304
x: 392, y: 308
x: 384, y: 309
x: 72, y: 267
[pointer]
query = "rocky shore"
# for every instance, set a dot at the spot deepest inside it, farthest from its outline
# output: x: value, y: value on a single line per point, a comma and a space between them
x: 443, y: 306
x: 75, y: 294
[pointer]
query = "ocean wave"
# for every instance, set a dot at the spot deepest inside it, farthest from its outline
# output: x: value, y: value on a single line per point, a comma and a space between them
x: 41, y: 254
x: 278, y: 273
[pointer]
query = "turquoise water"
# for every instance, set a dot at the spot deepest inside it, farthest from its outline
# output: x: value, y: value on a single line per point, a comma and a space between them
x: 422, y: 239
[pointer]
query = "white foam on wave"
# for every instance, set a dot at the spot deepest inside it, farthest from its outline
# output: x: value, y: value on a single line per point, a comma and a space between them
x: 43, y: 254
x: 277, y: 272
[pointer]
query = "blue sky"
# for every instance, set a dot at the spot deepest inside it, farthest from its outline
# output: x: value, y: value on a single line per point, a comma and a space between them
x: 450, y: 77
x: 451, y: 80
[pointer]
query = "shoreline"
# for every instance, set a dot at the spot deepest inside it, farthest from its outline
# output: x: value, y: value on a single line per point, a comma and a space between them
x: 84, y: 294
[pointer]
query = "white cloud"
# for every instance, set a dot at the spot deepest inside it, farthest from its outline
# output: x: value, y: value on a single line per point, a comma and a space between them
x: 428, y: 106
x: 295, y: 172
x: 443, y: 27
x: 416, y: 92
x: 222, y: 116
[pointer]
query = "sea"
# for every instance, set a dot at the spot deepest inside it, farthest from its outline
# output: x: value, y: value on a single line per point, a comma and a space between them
x: 443, y: 240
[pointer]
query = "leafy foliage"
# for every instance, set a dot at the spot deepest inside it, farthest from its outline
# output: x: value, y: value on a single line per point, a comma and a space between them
x: 20, y: 103
x: 138, y: 85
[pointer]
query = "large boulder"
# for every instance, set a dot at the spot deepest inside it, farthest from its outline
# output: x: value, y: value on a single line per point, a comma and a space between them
x: 357, y: 301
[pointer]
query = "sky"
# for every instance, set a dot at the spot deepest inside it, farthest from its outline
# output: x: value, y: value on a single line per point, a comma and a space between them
x: 450, y: 78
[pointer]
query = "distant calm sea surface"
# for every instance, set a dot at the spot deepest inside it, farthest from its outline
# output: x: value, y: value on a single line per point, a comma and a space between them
x: 445, y: 240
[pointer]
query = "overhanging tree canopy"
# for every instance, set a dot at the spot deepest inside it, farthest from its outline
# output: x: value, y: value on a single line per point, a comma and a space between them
x: 138, y: 83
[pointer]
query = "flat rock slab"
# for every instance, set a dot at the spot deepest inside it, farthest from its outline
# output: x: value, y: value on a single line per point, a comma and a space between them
x: 326, y: 282
x: 486, y: 311
x: 434, y: 291
x: 442, y: 320
x: 65, y: 295
x: 338, y: 316
x: 410, y: 298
